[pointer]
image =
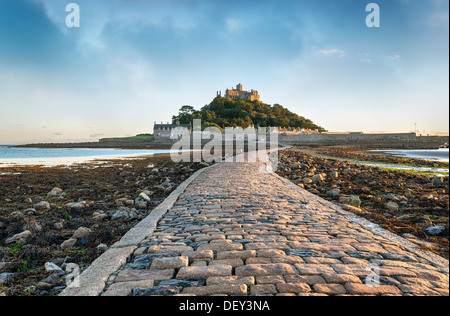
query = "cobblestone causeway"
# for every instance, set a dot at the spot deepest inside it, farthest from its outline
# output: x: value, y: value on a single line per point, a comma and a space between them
x: 239, y: 231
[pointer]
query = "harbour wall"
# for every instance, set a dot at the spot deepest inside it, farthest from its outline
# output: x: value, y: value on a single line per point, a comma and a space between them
x: 399, y: 140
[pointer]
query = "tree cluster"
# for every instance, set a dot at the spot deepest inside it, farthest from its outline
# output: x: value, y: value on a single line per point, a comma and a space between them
x: 224, y: 112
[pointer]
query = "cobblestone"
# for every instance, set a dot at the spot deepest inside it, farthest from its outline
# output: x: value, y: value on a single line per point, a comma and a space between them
x: 239, y: 231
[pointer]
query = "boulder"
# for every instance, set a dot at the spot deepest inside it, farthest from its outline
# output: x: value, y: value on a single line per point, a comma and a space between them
x: 166, y: 184
x: 99, y: 216
x: 55, y: 192
x: 391, y: 197
x: 351, y: 200
x: 317, y: 178
x: 5, y: 277
x: 42, y: 206
x: 377, y: 199
x: 307, y: 180
x: 19, y: 238
x: 120, y: 215
x: 81, y: 233
x: 334, y: 175
x: 27, y: 200
x: 334, y: 193
x: 76, y: 206
x: 435, y: 230
x: 392, y: 206
x: 53, y: 268
x: 102, y: 248
x: 426, y: 197
x: 70, y: 243
x: 438, y: 181
x: 58, y: 225
x: 145, y: 197
x: 30, y: 212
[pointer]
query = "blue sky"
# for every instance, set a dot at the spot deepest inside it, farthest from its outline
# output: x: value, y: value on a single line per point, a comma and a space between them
x: 134, y: 62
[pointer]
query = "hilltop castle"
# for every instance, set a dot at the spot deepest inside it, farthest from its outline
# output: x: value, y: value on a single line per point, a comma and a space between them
x: 239, y: 94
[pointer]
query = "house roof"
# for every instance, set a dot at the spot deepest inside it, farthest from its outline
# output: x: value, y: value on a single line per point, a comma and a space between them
x: 171, y: 126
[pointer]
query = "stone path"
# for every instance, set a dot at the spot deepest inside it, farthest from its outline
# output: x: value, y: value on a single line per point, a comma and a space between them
x: 239, y: 231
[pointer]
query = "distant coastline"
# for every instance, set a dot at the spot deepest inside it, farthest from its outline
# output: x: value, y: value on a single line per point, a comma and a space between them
x: 116, y: 145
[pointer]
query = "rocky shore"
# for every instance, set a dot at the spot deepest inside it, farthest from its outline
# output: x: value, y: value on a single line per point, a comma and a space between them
x: 412, y: 205
x: 54, y: 219
x: 361, y: 154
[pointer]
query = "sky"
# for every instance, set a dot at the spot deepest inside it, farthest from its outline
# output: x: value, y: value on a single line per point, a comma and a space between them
x: 134, y: 62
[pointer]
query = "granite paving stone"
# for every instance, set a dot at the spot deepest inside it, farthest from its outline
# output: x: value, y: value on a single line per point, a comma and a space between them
x: 236, y: 230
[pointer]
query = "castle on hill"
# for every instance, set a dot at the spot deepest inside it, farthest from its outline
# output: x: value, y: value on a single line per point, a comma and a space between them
x: 239, y: 94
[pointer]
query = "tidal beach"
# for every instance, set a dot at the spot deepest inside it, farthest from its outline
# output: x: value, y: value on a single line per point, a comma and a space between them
x: 72, y: 214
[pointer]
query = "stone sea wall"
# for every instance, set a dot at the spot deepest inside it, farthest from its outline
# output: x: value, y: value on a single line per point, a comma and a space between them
x: 400, y: 140
x: 396, y: 141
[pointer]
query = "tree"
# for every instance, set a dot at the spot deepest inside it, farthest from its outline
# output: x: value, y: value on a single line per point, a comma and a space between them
x: 185, y: 115
x: 222, y: 112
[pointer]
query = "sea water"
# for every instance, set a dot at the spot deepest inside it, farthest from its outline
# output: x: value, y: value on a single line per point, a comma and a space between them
x: 10, y: 155
x: 428, y: 154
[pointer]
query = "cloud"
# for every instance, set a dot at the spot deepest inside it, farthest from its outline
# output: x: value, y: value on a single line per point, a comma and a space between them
x: 339, y: 53
x: 58, y: 134
x: 233, y: 25
x: 394, y: 57
x: 367, y: 60
x: 27, y: 35
x: 95, y: 135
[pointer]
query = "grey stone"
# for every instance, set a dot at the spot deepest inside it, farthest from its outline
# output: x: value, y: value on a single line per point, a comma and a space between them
x: 138, y: 266
x: 392, y: 206
x: 164, y: 290
x: 303, y: 253
x: 438, y: 181
x: 81, y: 233
x: 55, y: 192
x: 30, y: 212
x: 364, y: 255
x: 70, y: 243
x: 351, y: 200
x: 185, y: 283
x: 42, y: 206
x: 52, y: 278
x: 120, y: 216
x: 44, y: 286
x: 76, y: 206
x: 334, y: 193
x: 145, y: 197
x: 6, y: 277
x: 102, y: 248
x: 51, y: 267
x: 317, y: 178
x: 152, y: 256
x: 19, y: 238
x: 435, y: 230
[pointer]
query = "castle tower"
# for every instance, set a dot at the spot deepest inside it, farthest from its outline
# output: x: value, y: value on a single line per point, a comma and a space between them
x: 240, y: 94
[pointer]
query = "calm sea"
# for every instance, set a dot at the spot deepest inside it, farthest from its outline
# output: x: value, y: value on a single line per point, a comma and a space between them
x: 10, y: 155
x: 431, y: 154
